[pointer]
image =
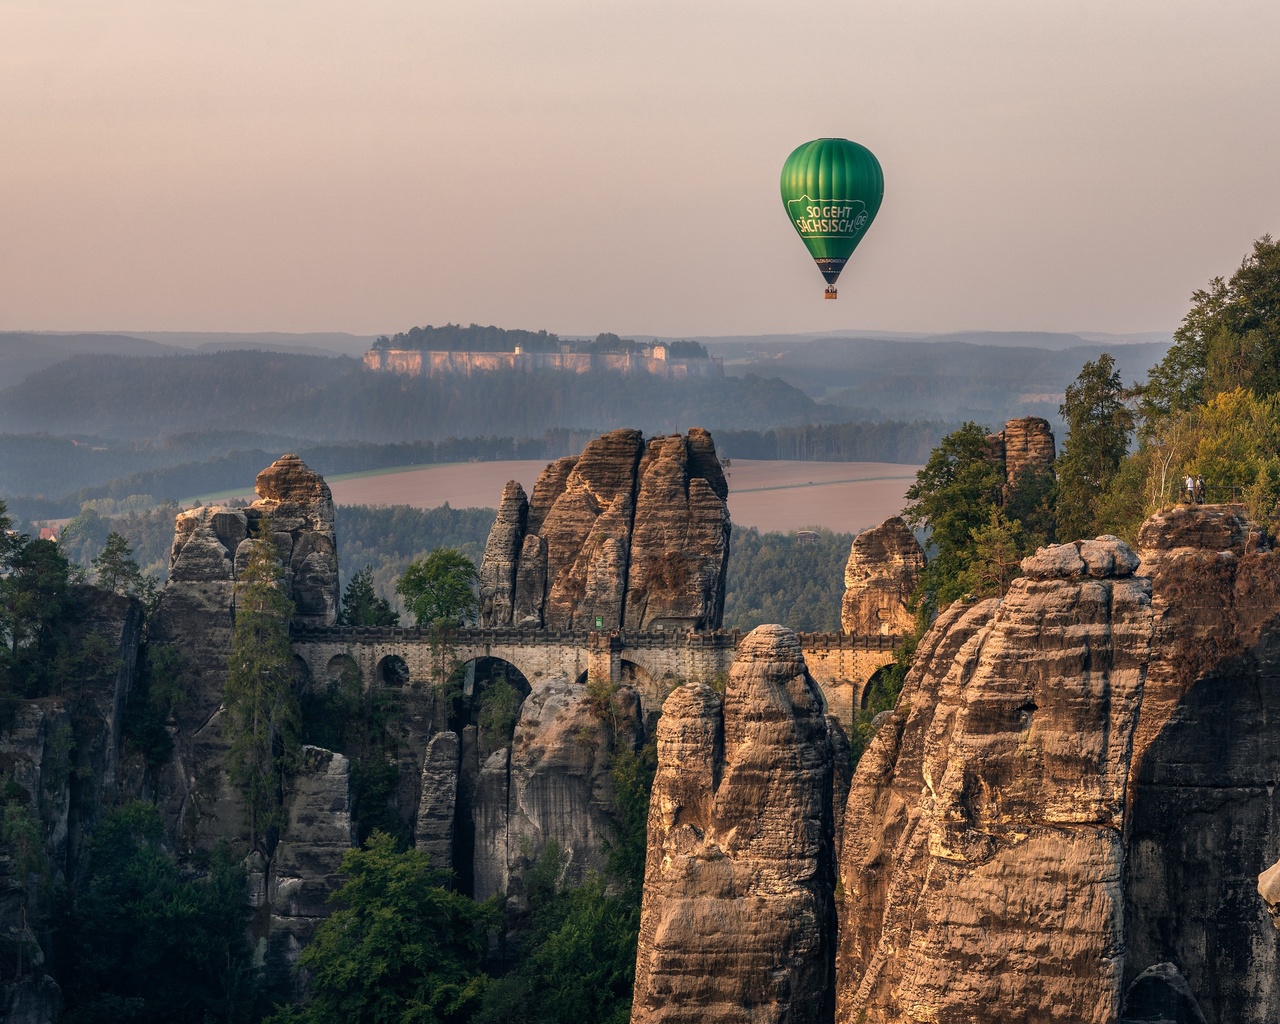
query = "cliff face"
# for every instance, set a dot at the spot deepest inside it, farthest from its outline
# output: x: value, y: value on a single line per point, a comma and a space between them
x: 982, y: 854
x: 195, y: 615
x: 1025, y: 447
x: 633, y: 534
x: 736, y: 921
x: 882, y: 573
x: 1066, y: 814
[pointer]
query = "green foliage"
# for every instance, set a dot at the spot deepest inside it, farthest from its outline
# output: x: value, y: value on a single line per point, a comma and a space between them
x: 995, y: 557
x: 954, y: 495
x: 115, y: 569
x: 34, y: 611
x: 261, y: 703
x: 632, y: 773
x: 773, y: 577
x: 1237, y: 450
x: 1229, y: 339
x: 342, y: 716
x: 362, y: 606
x: 440, y: 588
x: 84, y: 537
x: 142, y: 944
x: 157, y: 692
x: 402, y: 948
x: 1098, y: 424
x: 499, y: 708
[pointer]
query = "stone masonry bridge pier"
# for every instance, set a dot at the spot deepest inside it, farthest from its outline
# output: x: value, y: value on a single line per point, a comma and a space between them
x: 653, y: 663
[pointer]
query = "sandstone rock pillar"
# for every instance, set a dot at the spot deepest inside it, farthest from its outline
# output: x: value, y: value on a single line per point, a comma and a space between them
x: 884, y: 568
x: 737, y: 910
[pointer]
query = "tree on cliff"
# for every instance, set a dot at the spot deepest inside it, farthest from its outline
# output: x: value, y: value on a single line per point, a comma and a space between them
x: 261, y: 703
x: 1230, y: 338
x: 440, y: 589
x: 1098, y: 426
x: 115, y: 569
x: 363, y: 606
x: 403, y: 949
x: 954, y: 495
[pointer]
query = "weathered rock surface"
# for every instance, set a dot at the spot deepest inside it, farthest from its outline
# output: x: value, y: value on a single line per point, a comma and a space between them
x: 1024, y: 449
x: 195, y: 615
x: 737, y: 912
x: 304, y: 870
x: 1028, y: 445
x: 501, y: 555
x: 438, y: 803
x: 1206, y: 756
x: 1073, y: 794
x: 552, y: 785
x: 881, y: 575
x: 625, y: 534
x: 680, y: 542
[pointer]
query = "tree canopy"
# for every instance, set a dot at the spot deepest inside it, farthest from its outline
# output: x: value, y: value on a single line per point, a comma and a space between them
x: 1230, y: 338
x: 1098, y: 426
x: 440, y: 589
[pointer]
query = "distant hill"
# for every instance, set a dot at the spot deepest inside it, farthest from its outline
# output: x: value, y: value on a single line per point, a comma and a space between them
x: 940, y: 379
x: 330, y: 343
x: 332, y: 399
x: 25, y: 353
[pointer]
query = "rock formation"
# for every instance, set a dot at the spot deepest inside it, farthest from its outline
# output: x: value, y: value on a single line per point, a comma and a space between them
x: 1024, y: 447
x: 737, y: 912
x: 1075, y: 792
x: 195, y: 615
x: 634, y: 535
x: 882, y: 573
x: 551, y: 785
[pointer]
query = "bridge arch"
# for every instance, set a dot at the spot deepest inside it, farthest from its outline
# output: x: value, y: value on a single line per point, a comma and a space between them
x: 393, y: 671
x: 341, y: 667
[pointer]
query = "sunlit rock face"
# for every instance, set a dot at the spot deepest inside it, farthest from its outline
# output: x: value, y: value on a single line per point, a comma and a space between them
x: 1076, y: 792
x: 881, y: 575
x: 737, y: 917
x: 629, y: 534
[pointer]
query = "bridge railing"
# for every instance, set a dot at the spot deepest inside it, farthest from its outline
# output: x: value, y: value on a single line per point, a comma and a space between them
x: 616, y: 640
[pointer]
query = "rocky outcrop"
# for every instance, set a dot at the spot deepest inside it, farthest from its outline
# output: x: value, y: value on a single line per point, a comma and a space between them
x: 737, y: 911
x: 627, y: 534
x: 1073, y: 794
x: 882, y: 573
x: 438, y: 802
x: 195, y: 615
x: 982, y: 852
x: 497, y: 581
x: 1024, y: 448
x: 553, y: 785
x: 304, y: 869
x: 1206, y: 756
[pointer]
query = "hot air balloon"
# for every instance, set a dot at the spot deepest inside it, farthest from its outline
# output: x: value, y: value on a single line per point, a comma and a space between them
x: 832, y: 190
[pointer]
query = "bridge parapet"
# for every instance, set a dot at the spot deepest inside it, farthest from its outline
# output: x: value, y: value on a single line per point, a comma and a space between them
x: 652, y: 661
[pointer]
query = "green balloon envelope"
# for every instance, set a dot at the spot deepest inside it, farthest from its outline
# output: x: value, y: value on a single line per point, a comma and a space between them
x: 832, y: 190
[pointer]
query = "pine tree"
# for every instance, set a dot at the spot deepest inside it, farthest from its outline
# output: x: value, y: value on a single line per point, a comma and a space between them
x: 260, y: 700
x: 363, y: 606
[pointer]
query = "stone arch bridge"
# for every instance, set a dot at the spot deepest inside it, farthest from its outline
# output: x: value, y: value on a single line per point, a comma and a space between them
x: 654, y: 663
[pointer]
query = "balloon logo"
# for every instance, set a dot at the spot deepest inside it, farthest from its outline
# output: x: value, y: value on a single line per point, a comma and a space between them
x: 832, y: 190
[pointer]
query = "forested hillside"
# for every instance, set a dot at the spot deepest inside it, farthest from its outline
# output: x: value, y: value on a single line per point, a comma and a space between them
x: 337, y: 399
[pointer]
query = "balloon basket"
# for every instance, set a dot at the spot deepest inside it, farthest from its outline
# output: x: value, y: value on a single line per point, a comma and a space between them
x: 830, y: 293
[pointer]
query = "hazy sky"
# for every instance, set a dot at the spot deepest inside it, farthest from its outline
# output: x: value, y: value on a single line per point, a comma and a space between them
x: 590, y: 165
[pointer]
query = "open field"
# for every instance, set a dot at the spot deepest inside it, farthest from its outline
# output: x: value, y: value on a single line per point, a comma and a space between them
x: 769, y: 495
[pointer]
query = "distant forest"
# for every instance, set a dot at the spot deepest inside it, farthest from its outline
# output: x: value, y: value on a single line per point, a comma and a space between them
x: 474, y: 338
x: 337, y: 399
